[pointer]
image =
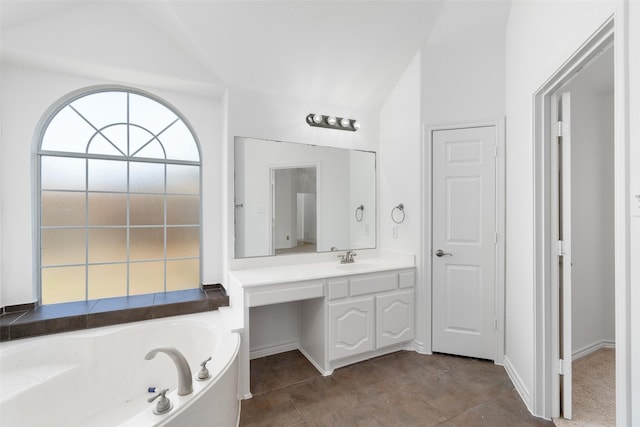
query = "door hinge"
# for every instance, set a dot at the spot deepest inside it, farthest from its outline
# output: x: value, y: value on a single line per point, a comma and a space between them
x: 560, y: 248
x: 495, y: 239
x: 495, y: 151
x: 559, y: 128
x: 560, y: 366
x: 495, y: 324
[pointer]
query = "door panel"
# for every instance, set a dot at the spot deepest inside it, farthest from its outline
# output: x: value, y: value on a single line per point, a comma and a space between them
x: 464, y: 230
x: 351, y: 326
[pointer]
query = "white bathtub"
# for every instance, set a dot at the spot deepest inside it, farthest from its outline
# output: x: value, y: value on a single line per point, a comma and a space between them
x: 99, y: 377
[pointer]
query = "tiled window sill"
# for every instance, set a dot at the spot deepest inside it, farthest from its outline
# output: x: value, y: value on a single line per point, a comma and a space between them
x: 72, y: 316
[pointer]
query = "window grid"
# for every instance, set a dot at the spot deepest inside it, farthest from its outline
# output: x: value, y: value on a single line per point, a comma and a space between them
x: 128, y: 227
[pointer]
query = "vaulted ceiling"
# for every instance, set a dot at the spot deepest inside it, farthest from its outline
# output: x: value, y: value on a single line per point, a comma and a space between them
x: 338, y: 52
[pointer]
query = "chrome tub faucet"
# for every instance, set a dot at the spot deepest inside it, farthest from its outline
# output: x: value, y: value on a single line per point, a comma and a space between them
x: 185, y: 382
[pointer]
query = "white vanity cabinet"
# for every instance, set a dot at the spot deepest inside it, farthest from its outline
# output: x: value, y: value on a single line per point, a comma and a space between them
x: 341, y: 314
x: 369, y: 312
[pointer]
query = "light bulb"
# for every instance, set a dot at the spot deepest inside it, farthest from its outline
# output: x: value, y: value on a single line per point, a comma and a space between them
x: 345, y: 123
x: 331, y: 120
x: 356, y: 125
x: 317, y: 118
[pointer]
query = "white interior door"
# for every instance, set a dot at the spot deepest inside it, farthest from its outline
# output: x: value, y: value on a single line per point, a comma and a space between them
x: 464, y: 239
x: 564, y: 250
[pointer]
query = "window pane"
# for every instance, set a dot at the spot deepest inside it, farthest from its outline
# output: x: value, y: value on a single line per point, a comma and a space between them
x: 146, y: 177
x: 106, y: 281
x: 142, y: 139
x: 63, y: 208
x: 107, y: 245
x: 146, y: 243
x: 66, y: 246
x: 107, y: 209
x: 67, y: 131
x: 103, y: 108
x: 117, y: 135
x: 146, y: 277
x: 149, y: 113
x: 183, y: 274
x: 107, y: 175
x: 62, y: 284
x: 179, y: 143
x: 183, y: 179
x: 183, y: 210
x: 146, y: 210
x: 183, y: 242
x: 62, y: 173
x: 100, y: 145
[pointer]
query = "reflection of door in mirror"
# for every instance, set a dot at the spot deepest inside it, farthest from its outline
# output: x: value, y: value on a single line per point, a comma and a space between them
x: 293, y: 222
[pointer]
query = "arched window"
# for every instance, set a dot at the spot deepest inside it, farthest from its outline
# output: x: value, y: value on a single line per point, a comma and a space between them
x: 119, y: 176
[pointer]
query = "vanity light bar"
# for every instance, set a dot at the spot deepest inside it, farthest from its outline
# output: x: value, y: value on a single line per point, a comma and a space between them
x: 332, y: 122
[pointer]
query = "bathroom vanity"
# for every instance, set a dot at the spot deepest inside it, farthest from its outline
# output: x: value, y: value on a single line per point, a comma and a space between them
x: 345, y: 312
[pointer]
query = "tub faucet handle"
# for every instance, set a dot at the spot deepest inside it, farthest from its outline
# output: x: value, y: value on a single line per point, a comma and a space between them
x: 163, y: 405
x: 203, y: 373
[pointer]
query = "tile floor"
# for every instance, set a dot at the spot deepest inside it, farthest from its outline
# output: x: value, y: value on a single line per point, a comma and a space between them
x: 400, y: 389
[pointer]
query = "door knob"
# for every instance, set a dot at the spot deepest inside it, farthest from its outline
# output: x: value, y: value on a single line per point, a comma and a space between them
x: 441, y: 253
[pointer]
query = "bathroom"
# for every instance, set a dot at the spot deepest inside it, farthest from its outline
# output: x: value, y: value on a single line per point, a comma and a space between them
x: 234, y: 70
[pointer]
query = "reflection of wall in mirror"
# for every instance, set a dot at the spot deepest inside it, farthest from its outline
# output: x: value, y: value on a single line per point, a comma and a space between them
x: 362, y: 192
x: 333, y: 198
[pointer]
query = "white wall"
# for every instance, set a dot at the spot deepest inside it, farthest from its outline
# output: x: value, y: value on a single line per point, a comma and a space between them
x: 258, y: 115
x: 26, y: 95
x: 463, y: 81
x: 460, y: 82
x: 592, y: 231
x: 540, y: 37
x: 399, y: 159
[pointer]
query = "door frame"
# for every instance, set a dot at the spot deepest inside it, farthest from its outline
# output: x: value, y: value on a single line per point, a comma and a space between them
x: 424, y: 310
x: 545, y: 397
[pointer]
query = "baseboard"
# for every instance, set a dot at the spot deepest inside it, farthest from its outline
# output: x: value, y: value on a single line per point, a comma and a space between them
x: 585, y: 351
x: 268, y: 351
x: 313, y: 362
x: 517, y: 383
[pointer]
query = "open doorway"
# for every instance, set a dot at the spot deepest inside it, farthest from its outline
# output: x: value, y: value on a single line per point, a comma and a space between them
x: 554, y: 228
x: 294, y: 207
x: 583, y: 223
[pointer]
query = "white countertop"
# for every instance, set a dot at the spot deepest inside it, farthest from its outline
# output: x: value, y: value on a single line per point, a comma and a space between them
x: 268, y: 275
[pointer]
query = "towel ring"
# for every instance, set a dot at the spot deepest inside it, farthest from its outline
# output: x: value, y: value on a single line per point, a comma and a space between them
x: 394, y: 213
x: 361, y: 210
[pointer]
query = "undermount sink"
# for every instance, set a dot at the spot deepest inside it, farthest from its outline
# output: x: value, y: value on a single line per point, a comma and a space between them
x: 355, y: 266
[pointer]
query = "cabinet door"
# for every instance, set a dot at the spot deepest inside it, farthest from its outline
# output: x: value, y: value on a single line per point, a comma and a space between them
x: 394, y: 318
x: 351, y: 326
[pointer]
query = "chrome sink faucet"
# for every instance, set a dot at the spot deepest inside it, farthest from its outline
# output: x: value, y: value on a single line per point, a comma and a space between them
x: 185, y: 382
x: 347, y: 258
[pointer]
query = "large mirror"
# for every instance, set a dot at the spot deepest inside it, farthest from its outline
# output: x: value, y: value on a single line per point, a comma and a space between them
x: 297, y: 198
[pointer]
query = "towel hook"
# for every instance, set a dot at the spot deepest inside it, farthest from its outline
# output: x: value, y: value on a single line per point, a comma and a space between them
x: 394, y: 214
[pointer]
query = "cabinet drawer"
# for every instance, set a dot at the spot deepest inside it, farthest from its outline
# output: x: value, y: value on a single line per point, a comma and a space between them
x: 337, y: 288
x: 285, y: 292
x: 370, y: 284
x: 407, y: 279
